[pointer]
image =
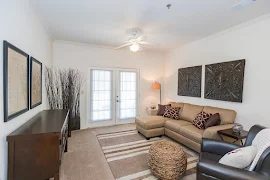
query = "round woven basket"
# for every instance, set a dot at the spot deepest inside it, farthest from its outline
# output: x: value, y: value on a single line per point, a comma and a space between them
x: 167, y: 160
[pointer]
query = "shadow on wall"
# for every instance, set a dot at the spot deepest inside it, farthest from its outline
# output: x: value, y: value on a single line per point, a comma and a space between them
x: 170, y: 87
x: 149, y: 96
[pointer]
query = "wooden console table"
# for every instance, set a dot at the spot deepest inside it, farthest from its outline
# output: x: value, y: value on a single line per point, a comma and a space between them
x: 35, y: 149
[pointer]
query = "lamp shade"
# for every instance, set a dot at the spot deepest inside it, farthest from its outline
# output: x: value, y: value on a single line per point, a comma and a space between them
x: 156, y: 85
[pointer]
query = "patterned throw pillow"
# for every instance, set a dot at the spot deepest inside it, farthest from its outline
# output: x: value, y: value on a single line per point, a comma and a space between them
x: 172, y: 112
x: 161, y: 109
x: 201, y: 119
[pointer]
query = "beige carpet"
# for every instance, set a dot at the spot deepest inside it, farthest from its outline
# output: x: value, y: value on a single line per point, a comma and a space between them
x: 85, y: 159
x: 126, y: 153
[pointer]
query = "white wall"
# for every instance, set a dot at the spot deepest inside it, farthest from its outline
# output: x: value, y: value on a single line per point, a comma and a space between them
x: 250, y: 41
x: 81, y: 56
x: 20, y: 27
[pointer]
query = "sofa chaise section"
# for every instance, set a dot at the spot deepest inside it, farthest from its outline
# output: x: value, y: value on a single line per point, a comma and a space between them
x: 183, y: 130
x: 150, y: 126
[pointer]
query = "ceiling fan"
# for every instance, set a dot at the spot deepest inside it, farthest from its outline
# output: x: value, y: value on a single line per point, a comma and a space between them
x: 135, y: 43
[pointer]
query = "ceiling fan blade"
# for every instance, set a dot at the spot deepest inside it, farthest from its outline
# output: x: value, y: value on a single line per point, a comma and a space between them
x: 144, y: 42
x: 148, y: 43
x: 127, y: 44
x: 141, y: 38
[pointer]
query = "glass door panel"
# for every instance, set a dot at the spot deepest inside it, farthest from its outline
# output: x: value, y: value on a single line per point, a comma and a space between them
x: 128, y: 95
x: 113, y: 96
x: 101, y: 95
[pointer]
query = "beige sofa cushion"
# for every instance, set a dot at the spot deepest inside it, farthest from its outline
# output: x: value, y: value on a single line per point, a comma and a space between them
x: 191, y: 132
x: 227, y: 116
x: 175, y: 125
x: 177, y: 104
x: 212, y: 132
x: 190, y: 111
x: 150, y: 122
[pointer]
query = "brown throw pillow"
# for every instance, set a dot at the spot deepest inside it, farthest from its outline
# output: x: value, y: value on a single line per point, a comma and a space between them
x: 200, y: 119
x: 214, y: 120
x: 172, y: 112
x: 161, y: 109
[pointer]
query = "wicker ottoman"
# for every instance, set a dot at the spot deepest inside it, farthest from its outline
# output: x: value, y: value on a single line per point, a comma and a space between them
x: 167, y: 160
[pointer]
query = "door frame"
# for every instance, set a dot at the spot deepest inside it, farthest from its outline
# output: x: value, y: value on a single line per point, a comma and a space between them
x: 115, y: 106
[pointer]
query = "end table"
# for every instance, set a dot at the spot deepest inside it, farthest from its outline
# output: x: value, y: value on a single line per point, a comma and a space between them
x: 233, y: 135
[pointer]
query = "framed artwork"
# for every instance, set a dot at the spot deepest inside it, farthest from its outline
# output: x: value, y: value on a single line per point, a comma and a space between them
x: 35, y: 83
x: 224, y: 81
x: 16, y: 81
x: 189, y: 81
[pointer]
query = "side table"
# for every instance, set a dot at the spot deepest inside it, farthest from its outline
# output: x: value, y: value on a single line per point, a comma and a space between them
x: 233, y: 135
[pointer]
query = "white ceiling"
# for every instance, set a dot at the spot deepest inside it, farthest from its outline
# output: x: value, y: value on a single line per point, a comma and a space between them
x: 109, y: 22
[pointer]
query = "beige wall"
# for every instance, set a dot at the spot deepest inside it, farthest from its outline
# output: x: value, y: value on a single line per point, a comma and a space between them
x: 250, y: 41
x: 20, y: 27
x: 82, y: 56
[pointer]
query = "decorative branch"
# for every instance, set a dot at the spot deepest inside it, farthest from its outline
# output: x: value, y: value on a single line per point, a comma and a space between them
x: 63, y: 88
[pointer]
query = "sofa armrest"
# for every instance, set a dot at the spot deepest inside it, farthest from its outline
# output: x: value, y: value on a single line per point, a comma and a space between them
x: 224, y: 172
x: 211, y: 132
x: 217, y: 147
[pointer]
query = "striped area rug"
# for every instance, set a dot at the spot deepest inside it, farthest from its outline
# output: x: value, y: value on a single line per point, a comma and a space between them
x: 126, y: 153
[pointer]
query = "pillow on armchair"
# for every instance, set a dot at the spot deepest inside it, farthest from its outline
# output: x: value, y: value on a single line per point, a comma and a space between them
x: 239, y: 158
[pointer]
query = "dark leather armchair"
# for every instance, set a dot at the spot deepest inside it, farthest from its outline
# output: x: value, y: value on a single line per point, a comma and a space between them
x: 212, y: 151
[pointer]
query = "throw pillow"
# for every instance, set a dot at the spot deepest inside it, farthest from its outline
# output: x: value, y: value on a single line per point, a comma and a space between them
x: 239, y: 158
x: 171, y: 112
x: 214, y: 120
x: 161, y: 109
x: 200, y: 119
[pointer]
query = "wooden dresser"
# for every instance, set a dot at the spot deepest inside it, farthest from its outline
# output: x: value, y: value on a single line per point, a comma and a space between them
x: 35, y: 149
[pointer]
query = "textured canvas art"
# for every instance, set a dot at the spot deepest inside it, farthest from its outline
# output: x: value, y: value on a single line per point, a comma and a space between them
x: 35, y: 82
x: 189, y: 81
x: 224, y: 81
x: 15, y: 81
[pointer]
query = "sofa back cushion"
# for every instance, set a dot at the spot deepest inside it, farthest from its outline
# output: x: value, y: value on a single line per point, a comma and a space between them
x: 190, y: 112
x: 177, y: 104
x: 227, y: 116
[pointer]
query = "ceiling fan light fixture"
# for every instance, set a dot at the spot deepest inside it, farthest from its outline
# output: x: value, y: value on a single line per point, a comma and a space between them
x: 135, y: 47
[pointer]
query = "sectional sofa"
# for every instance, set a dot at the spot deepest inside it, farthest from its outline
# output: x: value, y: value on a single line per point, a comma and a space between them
x: 183, y: 130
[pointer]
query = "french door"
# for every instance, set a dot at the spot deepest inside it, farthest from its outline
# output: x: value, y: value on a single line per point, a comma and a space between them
x: 113, y: 96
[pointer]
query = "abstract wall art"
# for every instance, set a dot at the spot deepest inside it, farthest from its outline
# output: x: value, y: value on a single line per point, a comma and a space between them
x: 224, y: 81
x: 16, y: 81
x: 35, y: 83
x: 189, y: 81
